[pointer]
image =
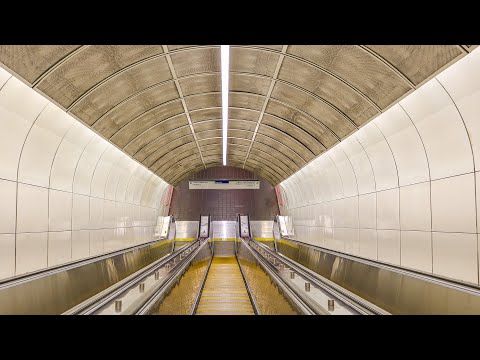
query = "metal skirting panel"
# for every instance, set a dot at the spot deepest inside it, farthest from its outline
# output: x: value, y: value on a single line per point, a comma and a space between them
x: 393, y: 289
x: 186, y: 229
x: 224, y: 235
x: 58, y: 290
x: 224, y: 229
x: 262, y: 229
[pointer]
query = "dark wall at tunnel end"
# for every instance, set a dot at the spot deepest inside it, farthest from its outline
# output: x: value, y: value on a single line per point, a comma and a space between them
x: 188, y: 204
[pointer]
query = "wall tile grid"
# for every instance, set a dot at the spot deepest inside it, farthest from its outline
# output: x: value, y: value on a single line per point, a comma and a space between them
x: 405, y: 188
x: 66, y: 193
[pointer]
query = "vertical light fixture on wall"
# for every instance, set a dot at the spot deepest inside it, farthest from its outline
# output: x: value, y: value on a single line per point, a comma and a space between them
x: 225, y: 59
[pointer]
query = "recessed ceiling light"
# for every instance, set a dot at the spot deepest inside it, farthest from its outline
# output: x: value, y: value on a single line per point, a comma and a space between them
x: 225, y: 59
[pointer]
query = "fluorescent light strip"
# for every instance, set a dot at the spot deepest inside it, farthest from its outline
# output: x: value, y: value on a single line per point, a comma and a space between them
x: 225, y: 58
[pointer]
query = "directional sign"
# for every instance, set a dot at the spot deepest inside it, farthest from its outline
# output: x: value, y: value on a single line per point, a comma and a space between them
x: 223, y: 184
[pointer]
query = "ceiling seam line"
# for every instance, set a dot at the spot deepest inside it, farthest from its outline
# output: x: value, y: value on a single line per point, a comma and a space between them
x: 180, y: 93
x: 52, y: 68
x: 267, y: 98
x: 389, y: 65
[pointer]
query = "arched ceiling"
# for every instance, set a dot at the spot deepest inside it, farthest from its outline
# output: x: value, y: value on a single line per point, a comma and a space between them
x: 161, y: 104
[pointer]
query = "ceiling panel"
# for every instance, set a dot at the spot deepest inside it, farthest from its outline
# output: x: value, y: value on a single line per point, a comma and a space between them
x: 417, y: 62
x: 274, y: 169
x: 327, y: 87
x: 165, y: 142
x: 209, y: 134
x: 279, y: 146
x: 322, y: 94
x: 122, y: 86
x: 286, y: 139
x: 206, y: 114
x: 156, y: 131
x: 249, y: 83
x: 146, y: 121
x: 165, y: 162
x: 237, y: 141
x: 207, y: 146
x: 31, y: 61
x: 207, y: 125
x: 253, y: 61
x: 198, y: 102
x: 242, y: 125
x: 308, y: 123
x: 195, y: 61
x: 203, y: 83
x: 240, y: 134
x: 296, y: 132
x: 243, y: 114
x: 329, y: 116
x: 352, y: 64
x: 163, y: 147
x: 79, y: 73
x: 270, y: 47
x: 246, y: 100
x: 123, y: 113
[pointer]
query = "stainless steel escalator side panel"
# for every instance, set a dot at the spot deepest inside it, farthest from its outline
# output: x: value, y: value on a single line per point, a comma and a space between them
x: 396, y: 290
x: 56, y: 291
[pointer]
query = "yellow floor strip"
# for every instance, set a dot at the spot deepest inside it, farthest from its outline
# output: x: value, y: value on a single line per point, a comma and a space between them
x: 224, y: 292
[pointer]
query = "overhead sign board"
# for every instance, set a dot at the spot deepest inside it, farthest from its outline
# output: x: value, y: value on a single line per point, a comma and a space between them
x: 223, y: 184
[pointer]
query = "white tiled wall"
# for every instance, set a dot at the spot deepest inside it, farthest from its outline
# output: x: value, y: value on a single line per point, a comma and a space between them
x: 407, y: 186
x: 66, y: 193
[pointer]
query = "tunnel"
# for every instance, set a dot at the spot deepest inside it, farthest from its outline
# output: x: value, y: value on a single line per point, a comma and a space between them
x: 239, y: 179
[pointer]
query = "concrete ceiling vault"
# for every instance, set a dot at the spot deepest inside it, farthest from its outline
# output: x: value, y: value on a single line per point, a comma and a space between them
x: 161, y: 104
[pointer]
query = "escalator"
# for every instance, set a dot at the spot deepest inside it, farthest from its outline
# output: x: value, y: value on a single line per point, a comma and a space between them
x: 226, y: 271
x: 224, y: 289
x: 224, y: 292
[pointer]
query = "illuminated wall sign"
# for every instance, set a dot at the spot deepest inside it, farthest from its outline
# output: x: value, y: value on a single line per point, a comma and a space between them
x: 223, y: 184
